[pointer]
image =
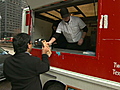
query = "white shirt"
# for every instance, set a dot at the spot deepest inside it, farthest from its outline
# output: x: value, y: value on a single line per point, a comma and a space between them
x: 72, y: 29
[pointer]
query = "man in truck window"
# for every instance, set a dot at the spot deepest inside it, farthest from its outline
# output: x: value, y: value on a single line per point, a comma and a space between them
x: 59, y: 42
x: 71, y: 27
x: 22, y: 69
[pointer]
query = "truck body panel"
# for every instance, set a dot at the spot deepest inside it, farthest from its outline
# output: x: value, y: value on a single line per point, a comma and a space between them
x: 99, y: 71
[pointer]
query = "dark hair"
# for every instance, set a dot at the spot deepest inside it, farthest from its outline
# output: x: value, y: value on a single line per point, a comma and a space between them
x: 20, y: 42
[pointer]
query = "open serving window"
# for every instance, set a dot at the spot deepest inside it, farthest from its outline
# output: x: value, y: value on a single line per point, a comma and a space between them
x: 48, y: 15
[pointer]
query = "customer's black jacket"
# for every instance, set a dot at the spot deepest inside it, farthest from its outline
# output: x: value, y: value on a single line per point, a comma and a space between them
x: 23, y: 71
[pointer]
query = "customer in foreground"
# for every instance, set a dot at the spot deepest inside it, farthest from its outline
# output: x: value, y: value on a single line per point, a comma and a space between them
x: 22, y: 69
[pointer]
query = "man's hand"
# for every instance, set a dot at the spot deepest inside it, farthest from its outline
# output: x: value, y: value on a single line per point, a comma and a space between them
x: 49, y: 43
x: 80, y: 41
x: 46, y: 48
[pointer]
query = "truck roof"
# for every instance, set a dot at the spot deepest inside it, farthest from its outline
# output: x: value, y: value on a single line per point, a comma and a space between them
x: 49, y: 9
x: 34, y: 4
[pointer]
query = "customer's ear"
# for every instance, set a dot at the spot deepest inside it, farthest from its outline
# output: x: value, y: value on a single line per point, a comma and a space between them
x: 28, y: 45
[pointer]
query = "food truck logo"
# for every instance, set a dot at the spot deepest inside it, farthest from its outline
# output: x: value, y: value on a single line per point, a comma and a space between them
x: 115, y: 72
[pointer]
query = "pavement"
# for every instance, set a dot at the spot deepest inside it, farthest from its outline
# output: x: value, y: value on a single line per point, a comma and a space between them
x: 7, y: 47
x: 6, y: 44
x: 5, y: 85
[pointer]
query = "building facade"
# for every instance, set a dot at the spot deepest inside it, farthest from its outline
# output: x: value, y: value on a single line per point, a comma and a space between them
x: 11, y: 17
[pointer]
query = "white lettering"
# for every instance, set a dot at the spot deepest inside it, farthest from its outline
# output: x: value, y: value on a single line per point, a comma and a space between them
x: 116, y: 72
x: 116, y: 65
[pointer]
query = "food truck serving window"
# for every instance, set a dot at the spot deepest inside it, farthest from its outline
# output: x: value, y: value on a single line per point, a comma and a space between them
x: 48, y: 18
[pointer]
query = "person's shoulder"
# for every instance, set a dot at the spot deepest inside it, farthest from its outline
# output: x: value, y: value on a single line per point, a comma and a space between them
x: 35, y: 60
x: 33, y: 57
x: 61, y: 22
x: 27, y: 56
x: 7, y: 59
x: 74, y: 17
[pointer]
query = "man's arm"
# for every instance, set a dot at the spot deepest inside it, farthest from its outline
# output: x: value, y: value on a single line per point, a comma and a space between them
x: 43, y: 65
x: 85, y: 29
x: 53, y: 39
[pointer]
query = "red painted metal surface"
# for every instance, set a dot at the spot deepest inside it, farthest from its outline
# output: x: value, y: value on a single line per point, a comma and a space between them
x: 29, y: 21
x: 106, y: 63
x: 28, y: 16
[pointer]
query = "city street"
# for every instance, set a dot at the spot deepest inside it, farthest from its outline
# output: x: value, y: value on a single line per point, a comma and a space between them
x: 5, y: 85
x: 7, y: 47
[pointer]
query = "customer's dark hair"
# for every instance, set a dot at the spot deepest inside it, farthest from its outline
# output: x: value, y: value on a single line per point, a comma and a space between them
x: 20, y: 42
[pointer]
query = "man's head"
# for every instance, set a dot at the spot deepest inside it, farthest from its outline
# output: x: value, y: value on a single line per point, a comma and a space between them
x: 54, y: 85
x: 65, y: 14
x: 22, y: 43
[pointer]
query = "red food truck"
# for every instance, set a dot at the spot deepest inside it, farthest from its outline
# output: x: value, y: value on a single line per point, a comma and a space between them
x: 97, y: 67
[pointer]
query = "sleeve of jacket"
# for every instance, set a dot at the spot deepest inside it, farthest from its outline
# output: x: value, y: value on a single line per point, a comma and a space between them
x: 43, y: 65
x: 4, y: 71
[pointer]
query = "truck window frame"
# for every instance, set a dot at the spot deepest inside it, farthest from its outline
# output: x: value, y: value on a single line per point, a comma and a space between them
x: 85, y: 53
